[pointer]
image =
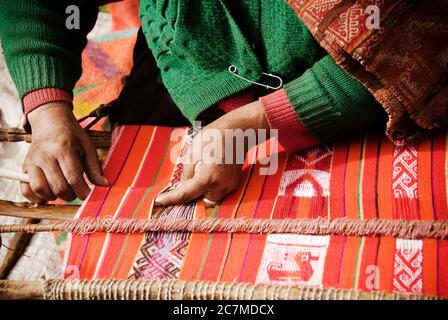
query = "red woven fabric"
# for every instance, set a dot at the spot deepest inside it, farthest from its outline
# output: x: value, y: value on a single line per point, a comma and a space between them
x: 366, y: 177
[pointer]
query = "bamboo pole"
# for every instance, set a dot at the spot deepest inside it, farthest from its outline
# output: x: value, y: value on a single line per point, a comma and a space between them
x: 21, y: 290
x: 13, y: 175
x: 181, y: 290
x: 16, y: 246
x: 32, y: 211
x: 100, y: 139
x: 415, y: 229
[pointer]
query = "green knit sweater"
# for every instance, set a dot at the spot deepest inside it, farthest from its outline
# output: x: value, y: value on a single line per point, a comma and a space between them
x: 194, y: 43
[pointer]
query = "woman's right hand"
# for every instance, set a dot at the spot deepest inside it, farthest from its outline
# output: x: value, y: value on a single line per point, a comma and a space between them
x: 59, y: 155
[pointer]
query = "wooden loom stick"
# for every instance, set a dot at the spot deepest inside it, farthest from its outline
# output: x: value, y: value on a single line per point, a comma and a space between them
x: 27, y: 210
x: 100, y: 139
x: 181, y: 290
x: 16, y: 246
x: 13, y: 175
x: 414, y: 229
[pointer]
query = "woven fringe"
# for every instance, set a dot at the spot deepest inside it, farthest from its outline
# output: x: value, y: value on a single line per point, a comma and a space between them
x: 318, y: 226
x: 183, y: 290
x: 415, y: 229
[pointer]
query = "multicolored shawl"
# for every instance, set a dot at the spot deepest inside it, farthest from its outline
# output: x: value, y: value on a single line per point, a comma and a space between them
x: 404, y: 63
x: 366, y: 177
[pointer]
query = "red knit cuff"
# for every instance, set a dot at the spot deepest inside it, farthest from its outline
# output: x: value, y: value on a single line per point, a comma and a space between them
x: 280, y: 114
x: 35, y: 99
x: 237, y: 100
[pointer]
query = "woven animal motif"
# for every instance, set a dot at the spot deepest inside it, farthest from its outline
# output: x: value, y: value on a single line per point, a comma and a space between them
x: 358, y: 179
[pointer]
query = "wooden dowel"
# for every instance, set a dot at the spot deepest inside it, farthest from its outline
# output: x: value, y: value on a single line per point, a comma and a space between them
x: 13, y: 175
x: 16, y: 247
x: 27, y: 210
x: 414, y: 229
x: 100, y: 139
x: 21, y: 290
x: 181, y: 290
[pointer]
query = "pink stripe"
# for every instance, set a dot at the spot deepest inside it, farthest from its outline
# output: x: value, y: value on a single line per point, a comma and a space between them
x: 37, y: 98
x: 292, y: 134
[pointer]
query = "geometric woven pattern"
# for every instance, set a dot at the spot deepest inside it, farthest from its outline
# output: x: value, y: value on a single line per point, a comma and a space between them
x: 408, y: 265
x: 356, y: 179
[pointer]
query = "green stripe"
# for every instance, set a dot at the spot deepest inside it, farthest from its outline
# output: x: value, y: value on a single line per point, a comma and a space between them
x: 138, y: 208
x: 355, y: 273
x: 204, y: 257
x: 209, y: 243
x: 116, y: 35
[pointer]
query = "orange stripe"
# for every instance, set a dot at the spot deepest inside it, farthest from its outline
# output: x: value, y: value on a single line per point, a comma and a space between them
x: 369, y: 272
x: 135, y: 241
x: 263, y: 211
x: 349, y: 262
x: 96, y: 242
x: 386, y: 257
x: 333, y: 261
x: 370, y: 176
x: 429, y: 267
x: 197, y: 245
x: 215, y: 247
x: 127, y: 175
x: 239, y: 242
x: 119, y: 153
x: 384, y: 187
x: 352, y: 178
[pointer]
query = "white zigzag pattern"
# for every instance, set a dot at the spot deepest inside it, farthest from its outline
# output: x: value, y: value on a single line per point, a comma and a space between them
x: 404, y: 174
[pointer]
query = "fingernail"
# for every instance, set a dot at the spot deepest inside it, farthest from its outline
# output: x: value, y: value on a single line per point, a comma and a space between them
x: 156, y: 202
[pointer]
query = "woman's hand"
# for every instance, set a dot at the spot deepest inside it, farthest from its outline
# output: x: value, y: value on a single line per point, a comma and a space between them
x: 59, y: 155
x: 213, y: 169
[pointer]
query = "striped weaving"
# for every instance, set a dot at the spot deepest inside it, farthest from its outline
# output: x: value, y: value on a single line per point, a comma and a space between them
x: 365, y: 177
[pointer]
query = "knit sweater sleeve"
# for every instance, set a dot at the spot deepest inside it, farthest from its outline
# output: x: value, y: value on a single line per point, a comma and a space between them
x: 40, y: 51
x: 321, y: 106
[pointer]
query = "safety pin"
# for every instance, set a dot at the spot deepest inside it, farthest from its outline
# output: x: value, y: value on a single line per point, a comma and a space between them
x: 233, y: 70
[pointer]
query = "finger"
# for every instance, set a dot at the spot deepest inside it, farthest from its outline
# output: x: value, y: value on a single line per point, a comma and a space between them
x: 215, y: 195
x: 190, y: 190
x: 39, y: 184
x: 187, y: 171
x: 73, y: 172
x: 188, y: 167
x: 92, y: 166
x: 29, y: 194
x: 57, y: 182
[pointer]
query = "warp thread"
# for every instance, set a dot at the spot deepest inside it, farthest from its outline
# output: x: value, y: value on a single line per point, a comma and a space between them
x: 201, y: 290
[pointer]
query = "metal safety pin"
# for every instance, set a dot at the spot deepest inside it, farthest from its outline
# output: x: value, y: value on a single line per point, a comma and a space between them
x: 233, y: 70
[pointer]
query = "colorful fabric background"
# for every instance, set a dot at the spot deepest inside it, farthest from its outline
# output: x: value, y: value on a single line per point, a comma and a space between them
x: 365, y: 177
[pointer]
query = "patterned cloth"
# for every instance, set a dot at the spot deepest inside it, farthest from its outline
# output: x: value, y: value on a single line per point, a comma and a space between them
x: 403, y: 63
x: 366, y: 177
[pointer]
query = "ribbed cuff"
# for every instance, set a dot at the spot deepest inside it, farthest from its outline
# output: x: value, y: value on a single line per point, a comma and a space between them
x: 280, y: 114
x: 315, y: 108
x: 37, y: 98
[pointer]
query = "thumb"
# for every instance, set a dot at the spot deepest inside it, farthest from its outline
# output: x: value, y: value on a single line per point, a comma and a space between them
x: 93, y: 168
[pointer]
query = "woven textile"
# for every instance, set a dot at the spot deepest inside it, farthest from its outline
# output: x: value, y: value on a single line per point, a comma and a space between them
x: 366, y: 177
x: 402, y: 62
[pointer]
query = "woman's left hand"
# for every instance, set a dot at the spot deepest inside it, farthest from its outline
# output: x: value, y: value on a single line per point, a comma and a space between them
x: 208, y: 174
